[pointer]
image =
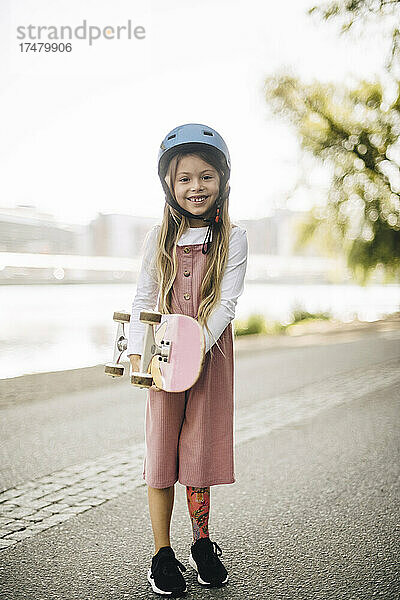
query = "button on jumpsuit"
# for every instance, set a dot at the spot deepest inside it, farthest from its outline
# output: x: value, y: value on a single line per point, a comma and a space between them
x: 189, y: 435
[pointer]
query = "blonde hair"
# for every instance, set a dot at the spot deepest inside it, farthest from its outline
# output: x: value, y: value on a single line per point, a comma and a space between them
x: 173, y: 225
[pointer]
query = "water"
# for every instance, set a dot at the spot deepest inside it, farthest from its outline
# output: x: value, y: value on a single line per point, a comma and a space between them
x: 56, y: 327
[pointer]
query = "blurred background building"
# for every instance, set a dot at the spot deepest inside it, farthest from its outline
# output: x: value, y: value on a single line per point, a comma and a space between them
x: 36, y: 248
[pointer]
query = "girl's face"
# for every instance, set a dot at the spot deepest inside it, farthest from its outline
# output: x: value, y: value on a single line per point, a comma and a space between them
x: 196, y: 179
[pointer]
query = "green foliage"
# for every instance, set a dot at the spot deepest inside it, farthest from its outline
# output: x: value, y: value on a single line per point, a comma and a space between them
x: 354, y: 132
x: 254, y: 324
x: 257, y: 324
x: 302, y: 315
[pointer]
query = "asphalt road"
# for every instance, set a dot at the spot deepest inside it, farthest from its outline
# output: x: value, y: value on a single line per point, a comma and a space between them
x: 313, y: 513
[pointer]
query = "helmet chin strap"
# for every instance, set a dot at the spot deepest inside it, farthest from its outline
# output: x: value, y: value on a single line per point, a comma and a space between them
x: 172, y: 202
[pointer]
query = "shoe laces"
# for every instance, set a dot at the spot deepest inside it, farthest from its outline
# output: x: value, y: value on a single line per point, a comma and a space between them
x: 170, y: 564
x: 212, y: 557
x: 216, y: 550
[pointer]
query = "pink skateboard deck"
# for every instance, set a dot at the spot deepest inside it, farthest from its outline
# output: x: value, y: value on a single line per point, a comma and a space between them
x: 183, y: 338
x: 173, y: 351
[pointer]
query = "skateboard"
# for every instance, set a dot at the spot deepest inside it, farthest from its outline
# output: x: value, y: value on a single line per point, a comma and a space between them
x: 173, y: 351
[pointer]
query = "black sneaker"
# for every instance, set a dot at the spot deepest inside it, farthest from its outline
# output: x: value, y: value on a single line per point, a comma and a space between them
x: 204, y: 559
x: 164, y: 575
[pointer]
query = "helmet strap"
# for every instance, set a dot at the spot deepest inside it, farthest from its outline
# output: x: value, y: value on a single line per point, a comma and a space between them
x: 214, y: 222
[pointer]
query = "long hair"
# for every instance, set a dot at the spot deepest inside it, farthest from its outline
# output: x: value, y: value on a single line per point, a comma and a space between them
x: 174, y: 225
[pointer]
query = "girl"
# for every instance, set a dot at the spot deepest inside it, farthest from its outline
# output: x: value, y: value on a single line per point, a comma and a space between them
x: 198, y: 271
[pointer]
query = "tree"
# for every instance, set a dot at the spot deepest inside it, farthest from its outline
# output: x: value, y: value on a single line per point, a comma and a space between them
x: 355, y: 132
x: 363, y: 11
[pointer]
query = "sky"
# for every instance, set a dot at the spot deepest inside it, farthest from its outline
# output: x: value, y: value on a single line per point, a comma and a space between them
x: 83, y: 128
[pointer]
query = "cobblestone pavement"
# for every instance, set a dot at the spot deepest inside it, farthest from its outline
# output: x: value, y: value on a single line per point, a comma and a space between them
x: 39, y: 504
x: 36, y: 505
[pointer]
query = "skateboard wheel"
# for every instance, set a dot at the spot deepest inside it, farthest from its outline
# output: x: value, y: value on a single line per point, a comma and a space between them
x: 114, y: 370
x: 141, y: 380
x: 122, y: 317
x: 150, y: 317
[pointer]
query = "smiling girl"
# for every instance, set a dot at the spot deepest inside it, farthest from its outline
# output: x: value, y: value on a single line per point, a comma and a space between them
x: 196, y: 270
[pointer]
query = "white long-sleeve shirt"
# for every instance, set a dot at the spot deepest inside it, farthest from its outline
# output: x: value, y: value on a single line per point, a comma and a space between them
x: 232, y: 285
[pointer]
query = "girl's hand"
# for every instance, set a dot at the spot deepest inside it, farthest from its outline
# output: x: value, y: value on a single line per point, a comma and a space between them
x: 135, y: 360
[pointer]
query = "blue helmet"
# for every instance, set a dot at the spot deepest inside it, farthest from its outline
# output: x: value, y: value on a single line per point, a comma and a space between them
x: 193, y: 137
x: 193, y: 134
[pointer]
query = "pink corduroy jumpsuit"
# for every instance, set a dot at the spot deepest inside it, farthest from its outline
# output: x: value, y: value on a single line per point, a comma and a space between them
x: 189, y: 435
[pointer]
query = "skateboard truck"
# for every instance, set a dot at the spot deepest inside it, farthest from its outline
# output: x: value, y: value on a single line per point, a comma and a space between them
x: 151, y: 348
x: 115, y: 369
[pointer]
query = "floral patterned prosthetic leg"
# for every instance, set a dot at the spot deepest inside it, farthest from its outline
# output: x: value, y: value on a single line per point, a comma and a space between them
x: 198, y: 500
